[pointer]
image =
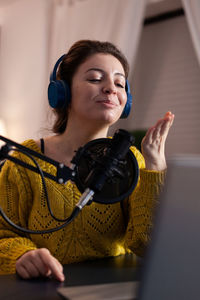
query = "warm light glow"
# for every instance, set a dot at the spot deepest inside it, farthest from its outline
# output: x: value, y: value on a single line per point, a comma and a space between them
x: 3, y: 130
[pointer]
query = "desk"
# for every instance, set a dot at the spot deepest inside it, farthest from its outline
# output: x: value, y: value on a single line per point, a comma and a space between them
x: 105, y: 270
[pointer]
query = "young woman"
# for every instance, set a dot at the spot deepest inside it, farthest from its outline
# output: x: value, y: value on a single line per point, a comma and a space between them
x: 96, y: 74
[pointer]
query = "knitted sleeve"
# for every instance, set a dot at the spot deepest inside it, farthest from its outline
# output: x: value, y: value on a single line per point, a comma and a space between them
x: 140, y: 206
x: 15, y: 189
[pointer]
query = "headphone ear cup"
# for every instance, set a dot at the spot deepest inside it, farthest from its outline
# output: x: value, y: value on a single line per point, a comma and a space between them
x: 128, y: 105
x: 58, y: 94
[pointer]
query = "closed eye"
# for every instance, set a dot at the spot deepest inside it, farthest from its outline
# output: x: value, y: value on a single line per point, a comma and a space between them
x: 120, y: 85
x: 94, y: 80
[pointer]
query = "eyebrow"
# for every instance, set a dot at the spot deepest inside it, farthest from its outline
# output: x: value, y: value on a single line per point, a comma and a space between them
x: 102, y: 71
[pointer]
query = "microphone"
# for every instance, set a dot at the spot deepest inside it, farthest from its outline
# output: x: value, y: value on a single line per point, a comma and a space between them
x: 107, y: 171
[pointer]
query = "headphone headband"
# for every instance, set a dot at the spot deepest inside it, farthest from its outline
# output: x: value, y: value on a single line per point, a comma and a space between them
x: 54, y: 72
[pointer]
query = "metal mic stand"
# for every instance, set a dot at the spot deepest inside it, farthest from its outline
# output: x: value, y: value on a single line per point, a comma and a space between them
x: 63, y: 172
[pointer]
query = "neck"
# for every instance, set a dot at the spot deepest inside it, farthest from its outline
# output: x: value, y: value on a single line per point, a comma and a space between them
x: 78, y: 137
x: 62, y: 147
x: 81, y: 132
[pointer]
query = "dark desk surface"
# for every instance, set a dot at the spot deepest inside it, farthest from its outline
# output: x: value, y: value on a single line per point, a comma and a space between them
x: 106, y: 270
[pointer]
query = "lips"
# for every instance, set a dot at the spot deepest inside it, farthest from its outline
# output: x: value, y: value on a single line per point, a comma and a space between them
x: 107, y: 101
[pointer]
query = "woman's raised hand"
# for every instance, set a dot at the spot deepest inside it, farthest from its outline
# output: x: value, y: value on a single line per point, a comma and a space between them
x: 153, y: 144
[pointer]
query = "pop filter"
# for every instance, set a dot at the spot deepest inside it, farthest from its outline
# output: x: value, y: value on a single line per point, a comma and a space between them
x: 112, y: 160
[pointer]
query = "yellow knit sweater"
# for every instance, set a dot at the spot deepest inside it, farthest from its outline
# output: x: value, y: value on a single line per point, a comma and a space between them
x: 98, y: 231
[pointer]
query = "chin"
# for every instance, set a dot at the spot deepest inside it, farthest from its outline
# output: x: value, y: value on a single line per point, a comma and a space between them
x: 109, y: 119
x: 104, y: 117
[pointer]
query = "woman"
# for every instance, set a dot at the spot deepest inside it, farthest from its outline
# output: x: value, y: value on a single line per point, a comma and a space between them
x: 96, y: 74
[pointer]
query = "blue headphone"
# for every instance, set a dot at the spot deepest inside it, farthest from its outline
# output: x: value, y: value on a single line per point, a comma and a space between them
x: 59, y: 94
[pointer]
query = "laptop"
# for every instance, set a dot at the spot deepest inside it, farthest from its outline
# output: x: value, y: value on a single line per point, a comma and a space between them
x: 172, y: 264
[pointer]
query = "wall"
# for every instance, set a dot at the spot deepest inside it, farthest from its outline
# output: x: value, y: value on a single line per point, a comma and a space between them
x: 23, y: 58
x: 167, y: 77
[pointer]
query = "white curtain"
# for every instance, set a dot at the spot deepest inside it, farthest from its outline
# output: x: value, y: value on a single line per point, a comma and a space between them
x: 118, y: 21
x: 192, y: 11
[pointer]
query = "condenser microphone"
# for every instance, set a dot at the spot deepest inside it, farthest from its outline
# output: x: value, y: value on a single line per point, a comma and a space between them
x: 107, y: 171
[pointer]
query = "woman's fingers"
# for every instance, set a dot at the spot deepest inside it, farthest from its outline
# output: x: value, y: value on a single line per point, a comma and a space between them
x: 23, y: 271
x: 37, y: 263
x: 162, y: 127
x: 168, y: 121
x: 52, y: 264
x: 31, y: 264
x: 157, y: 130
x: 153, y: 144
x: 148, y: 136
x: 31, y: 270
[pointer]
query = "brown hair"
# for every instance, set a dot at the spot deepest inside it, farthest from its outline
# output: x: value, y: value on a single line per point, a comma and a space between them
x: 76, y: 55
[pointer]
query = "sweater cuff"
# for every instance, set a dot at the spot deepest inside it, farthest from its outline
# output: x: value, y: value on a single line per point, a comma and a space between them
x: 153, y: 175
x: 14, y: 253
x: 152, y: 181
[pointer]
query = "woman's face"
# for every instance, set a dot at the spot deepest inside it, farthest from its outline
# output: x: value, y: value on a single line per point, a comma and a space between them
x: 98, y: 90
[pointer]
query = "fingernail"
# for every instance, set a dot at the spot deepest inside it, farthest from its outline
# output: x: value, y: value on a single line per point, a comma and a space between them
x: 62, y: 277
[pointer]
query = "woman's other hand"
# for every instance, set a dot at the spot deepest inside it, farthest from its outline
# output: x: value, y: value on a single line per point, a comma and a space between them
x: 39, y: 262
x: 153, y: 144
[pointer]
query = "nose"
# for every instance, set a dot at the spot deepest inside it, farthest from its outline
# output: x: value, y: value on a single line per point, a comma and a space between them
x: 109, y: 88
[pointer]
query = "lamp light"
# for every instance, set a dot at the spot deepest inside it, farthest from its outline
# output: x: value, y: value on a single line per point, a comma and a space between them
x: 3, y: 130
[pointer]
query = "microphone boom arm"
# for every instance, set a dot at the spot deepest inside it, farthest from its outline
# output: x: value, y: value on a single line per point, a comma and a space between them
x: 63, y: 172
